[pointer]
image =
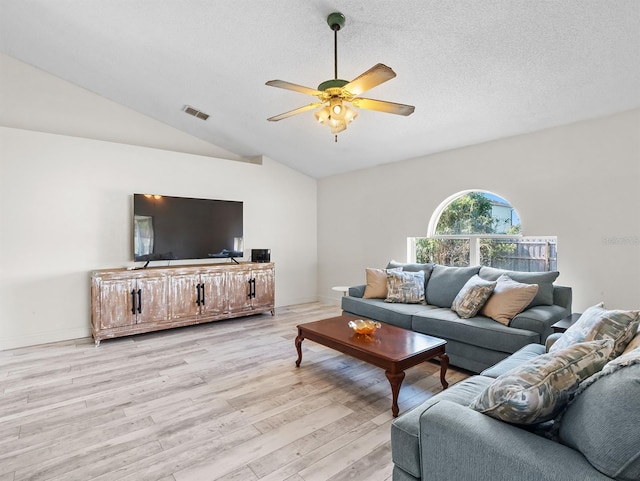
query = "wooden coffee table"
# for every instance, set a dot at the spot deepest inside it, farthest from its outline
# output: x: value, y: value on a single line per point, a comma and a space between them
x: 392, y: 348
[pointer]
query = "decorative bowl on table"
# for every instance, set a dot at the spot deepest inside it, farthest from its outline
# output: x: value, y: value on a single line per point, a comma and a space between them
x: 364, y: 326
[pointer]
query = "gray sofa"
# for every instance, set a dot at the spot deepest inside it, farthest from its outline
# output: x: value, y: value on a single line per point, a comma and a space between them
x: 597, y: 436
x: 478, y: 342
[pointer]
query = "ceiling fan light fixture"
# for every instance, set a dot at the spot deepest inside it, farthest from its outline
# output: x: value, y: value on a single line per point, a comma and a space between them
x: 337, y: 126
x: 323, y: 114
x: 350, y: 115
x: 337, y: 109
x: 337, y: 115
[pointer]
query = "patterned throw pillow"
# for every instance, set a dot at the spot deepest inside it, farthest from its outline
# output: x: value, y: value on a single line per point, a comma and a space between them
x: 509, y: 299
x: 472, y: 296
x: 376, y: 287
x: 536, y: 391
x: 598, y: 323
x: 406, y: 287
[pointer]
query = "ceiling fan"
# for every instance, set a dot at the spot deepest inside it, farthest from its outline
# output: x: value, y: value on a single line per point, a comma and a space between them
x: 334, y: 95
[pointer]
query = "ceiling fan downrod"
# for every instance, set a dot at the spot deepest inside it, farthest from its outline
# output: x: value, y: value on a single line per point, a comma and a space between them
x: 335, y: 21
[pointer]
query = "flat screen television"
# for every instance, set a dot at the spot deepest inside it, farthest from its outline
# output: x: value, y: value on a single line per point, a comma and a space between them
x: 173, y: 228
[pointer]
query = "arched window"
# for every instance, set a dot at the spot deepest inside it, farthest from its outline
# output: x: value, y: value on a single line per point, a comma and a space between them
x: 477, y: 227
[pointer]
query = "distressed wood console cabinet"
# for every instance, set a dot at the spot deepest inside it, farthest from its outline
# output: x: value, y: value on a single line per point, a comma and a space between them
x: 125, y: 302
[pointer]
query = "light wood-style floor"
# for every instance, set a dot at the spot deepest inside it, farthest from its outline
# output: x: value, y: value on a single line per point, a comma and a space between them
x: 219, y: 401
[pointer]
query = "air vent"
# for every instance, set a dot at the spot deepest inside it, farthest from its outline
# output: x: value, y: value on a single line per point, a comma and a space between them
x: 195, y: 112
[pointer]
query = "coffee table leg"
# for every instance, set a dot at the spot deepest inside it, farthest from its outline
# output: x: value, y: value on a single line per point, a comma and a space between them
x: 299, y: 340
x: 395, y: 379
x: 444, y: 365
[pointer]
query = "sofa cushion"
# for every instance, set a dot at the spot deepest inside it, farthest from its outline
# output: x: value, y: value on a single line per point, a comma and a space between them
x: 478, y: 331
x: 604, y: 427
x: 445, y: 283
x: 537, y: 390
x: 405, y: 287
x: 544, y: 280
x: 509, y: 298
x: 472, y: 297
x: 405, y: 430
x: 376, y: 287
x: 596, y: 323
x: 395, y: 314
x: 521, y: 356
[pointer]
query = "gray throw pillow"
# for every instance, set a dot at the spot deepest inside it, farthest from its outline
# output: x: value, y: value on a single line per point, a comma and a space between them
x: 446, y: 282
x: 545, y: 281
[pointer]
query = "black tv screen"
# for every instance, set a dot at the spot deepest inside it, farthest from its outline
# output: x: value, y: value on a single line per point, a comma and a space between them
x: 168, y: 228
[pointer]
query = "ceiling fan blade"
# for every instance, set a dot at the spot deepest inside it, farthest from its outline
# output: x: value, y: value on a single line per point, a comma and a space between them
x: 295, y: 87
x: 382, y: 106
x: 373, y: 77
x: 275, y: 118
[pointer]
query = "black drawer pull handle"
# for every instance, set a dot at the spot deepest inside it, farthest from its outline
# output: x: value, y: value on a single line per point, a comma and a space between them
x: 198, y: 294
x: 139, y: 301
x: 202, y: 287
x: 133, y: 301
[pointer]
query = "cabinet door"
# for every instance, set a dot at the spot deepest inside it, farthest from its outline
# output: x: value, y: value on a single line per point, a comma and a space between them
x: 184, y: 296
x: 238, y: 291
x: 116, y: 303
x: 154, y: 296
x: 264, y: 288
x: 215, y: 289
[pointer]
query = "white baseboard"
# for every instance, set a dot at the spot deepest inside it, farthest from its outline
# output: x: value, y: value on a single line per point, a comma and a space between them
x: 332, y: 301
x: 295, y: 300
x: 43, y: 338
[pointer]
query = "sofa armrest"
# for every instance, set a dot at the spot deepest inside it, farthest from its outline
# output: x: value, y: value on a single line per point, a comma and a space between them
x: 551, y: 340
x: 357, y: 291
x: 460, y: 443
x: 562, y: 296
x: 539, y: 319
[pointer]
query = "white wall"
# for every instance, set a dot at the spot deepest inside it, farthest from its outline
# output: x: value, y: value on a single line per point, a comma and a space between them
x: 579, y: 182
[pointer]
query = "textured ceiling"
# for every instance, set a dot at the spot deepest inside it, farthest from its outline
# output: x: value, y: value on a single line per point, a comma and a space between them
x: 475, y: 70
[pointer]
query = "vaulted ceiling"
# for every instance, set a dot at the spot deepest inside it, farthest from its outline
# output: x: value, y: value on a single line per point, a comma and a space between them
x: 474, y: 70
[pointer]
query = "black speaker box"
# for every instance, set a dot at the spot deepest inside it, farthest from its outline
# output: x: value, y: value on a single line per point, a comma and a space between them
x: 260, y: 255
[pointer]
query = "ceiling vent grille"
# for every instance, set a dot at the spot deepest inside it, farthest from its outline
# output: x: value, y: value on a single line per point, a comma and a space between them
x: 195, y: 112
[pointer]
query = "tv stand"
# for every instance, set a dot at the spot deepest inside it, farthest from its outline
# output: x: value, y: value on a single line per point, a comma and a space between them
x: 126, y: 302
